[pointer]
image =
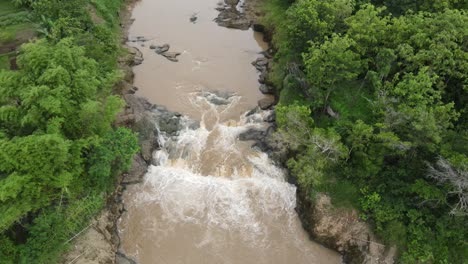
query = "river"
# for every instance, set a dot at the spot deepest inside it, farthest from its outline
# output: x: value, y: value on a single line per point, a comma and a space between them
x: 209, y: 198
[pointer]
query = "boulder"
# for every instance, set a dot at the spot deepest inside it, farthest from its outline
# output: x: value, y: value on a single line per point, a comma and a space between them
x: 260, y: 62
x: 252, y: 134
x: 266, y: 103
x: 147, y: 135
x: 137, y: 171
x: 232, y: 18
x: 258, y: 28
x: 137, y: 56
x: 262, y: 78
x: 266, y: 89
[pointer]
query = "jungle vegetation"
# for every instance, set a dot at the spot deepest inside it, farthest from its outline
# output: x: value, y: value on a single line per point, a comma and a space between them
x: 59, y: 150
x: 374, y: 109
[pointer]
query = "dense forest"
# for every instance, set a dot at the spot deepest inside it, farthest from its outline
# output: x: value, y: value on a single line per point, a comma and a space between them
x: 59, y: 150
x: 374, y: 109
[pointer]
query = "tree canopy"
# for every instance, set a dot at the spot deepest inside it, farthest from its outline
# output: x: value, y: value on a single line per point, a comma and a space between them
x: 394, y: 74
x: 59, y: 149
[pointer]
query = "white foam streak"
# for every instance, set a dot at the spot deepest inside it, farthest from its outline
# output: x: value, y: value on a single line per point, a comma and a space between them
x: 239, y: 202
x: 229, y: 204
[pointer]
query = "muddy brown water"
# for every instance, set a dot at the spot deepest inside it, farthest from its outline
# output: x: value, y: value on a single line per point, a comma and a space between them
x: 211, y: 198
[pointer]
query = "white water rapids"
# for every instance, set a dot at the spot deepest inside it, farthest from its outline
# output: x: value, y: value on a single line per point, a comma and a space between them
x: 240, y: 211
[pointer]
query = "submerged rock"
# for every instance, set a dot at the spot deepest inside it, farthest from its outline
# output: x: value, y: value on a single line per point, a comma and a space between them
x: 194, y: 18
x: 121, y: 258
x: 218, y: 97
x: 161, y: 49
x: 172, y: 56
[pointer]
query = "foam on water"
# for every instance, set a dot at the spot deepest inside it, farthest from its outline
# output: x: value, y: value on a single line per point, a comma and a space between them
x: 238, y: 201
x: 244, y: 201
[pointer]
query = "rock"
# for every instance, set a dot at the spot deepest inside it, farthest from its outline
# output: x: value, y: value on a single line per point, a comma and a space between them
x: 262, y: 78
x: 169, y: 123
x: 219, y: 101
x: 266, y: 103
x: 231, y: 2
x: 252, y: 134
x: 121, y: 258
x: 260, y: 62
x: 341, y: 229
x: 147, y: 136
x: 138, y: 170
x: 137, y: 56
x: 161, y: 49
x: 125, y: 119
x: 141, y: 38
x: 172, y: 56
x: 232, y: 18
x: 258, y: 28
x: 153, y: 46
x: 266, y: 54
x: 253, y: 111
x: 137, y: 104
x: 242, y: 24
x: 266, y: 89
x: 128, y: 72
x: 217, y: 97
x: 193, y: 18
x: 270, y: 118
